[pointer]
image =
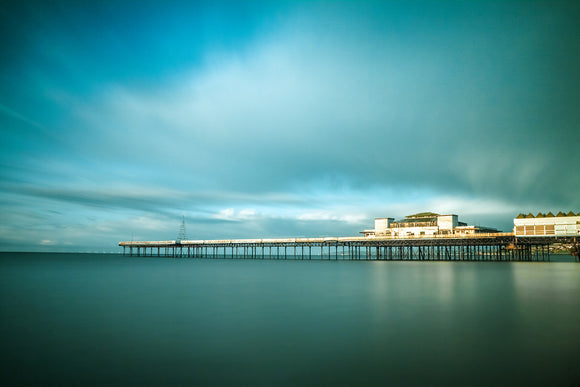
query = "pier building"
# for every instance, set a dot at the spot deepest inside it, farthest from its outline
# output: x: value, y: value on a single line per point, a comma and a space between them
x: 422, y: 237
x: 424, y: 224
x: 547, y: 224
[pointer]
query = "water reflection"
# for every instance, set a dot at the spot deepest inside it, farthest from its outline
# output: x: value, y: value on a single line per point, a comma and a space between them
x: 223, y: 322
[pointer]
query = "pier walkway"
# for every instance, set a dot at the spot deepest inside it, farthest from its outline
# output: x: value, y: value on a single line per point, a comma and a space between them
x: 477, y: 247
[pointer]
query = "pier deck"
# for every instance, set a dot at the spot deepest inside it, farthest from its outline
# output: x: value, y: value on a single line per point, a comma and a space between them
x: 477, y: 247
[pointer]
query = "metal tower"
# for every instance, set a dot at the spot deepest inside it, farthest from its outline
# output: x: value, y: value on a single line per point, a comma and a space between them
x: 181, y: 236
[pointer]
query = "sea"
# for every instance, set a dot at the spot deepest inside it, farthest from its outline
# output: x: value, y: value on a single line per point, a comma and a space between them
x: 113, y: 320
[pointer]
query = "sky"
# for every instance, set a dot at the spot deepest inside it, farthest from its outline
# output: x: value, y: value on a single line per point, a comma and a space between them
x: 255, y: 119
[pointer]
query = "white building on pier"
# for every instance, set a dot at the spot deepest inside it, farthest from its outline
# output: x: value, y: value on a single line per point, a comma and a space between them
x: 423, y: 224
x: 547, y: 224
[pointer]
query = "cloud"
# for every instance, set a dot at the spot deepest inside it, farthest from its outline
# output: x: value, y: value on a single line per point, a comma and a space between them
x: 229, y: 214
x: 326, y: 215
x: 47, y: 242
x: 15, y: 115
x: 148, y: 199
x: 298, y: 108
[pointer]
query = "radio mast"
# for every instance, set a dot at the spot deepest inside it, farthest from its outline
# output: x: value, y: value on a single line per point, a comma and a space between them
x: 181, y: 236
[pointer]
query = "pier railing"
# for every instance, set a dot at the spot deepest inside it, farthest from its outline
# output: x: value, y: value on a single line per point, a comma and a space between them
x: 315, y: 240
x: 470, y: 247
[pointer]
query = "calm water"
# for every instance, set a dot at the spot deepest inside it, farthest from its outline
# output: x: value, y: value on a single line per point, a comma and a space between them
x: 97, y: 320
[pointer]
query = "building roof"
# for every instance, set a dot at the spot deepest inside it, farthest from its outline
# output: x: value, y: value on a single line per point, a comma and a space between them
x: 416, y: 220
x: 548, y: 215
x: 422, y: 215
x: 419, y: 218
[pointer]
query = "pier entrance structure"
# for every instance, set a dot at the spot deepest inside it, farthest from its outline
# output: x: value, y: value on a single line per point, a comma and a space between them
x: 479, y: 247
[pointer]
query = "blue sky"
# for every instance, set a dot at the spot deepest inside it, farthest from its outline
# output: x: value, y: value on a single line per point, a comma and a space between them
x: 266, y: 119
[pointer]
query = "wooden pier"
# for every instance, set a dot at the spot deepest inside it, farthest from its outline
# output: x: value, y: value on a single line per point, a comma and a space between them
x: 499, y: 247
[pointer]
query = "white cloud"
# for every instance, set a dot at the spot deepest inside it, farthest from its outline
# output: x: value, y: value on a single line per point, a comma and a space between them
x: 247, y: 213
x: 230, y: 214
x: 328, y: 215
x: 225, y: 214
x: 47, y: 242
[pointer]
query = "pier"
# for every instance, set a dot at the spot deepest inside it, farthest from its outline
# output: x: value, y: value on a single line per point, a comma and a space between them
x: 499, y: 247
